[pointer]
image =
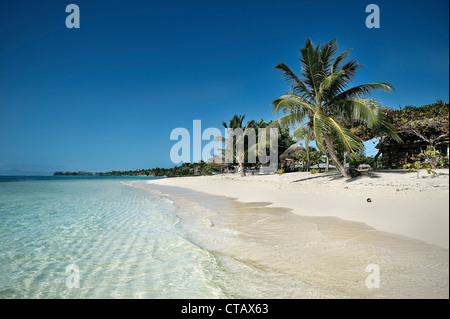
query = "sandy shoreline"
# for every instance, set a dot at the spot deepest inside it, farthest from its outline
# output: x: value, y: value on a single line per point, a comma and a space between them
x: 400, y: 202
x: 313, y: 236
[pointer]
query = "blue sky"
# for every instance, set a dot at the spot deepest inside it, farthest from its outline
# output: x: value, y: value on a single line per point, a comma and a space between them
x: 106, y: 96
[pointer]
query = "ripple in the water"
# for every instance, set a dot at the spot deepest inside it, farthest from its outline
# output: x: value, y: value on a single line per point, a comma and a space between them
x: 127, y: 240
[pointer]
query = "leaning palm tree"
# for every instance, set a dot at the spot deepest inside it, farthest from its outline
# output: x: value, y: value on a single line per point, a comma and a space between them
x: 321, y: 103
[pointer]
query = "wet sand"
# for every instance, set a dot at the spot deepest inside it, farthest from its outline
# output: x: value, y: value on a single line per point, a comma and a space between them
x: 400, y: 203
x: 275, y: 253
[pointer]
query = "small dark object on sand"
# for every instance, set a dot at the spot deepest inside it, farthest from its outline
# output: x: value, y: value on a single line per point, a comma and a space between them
x: 369, y: 200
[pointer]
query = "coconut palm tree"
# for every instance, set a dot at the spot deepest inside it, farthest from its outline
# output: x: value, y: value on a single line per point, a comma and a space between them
x: 237, y: 122
x: 321, y: 103
x: 311, y: 155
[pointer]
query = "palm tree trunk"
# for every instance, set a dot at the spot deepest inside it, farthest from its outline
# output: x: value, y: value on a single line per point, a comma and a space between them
x: 240, y: 159
x: 327, y: 168
x: 339, y: 166
x: 307, y: 157
x: 241, y: 167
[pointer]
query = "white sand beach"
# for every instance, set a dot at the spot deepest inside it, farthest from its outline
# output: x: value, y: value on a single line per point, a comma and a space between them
x: 401, y: 203
x: 307, y: 235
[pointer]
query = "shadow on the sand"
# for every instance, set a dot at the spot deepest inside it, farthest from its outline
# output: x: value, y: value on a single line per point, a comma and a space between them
x: 325, y: 175
x: 332, y: 176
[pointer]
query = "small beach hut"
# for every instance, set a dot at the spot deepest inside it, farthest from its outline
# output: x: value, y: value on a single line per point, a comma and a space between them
x: 395, y: 154
x: 288, y: 158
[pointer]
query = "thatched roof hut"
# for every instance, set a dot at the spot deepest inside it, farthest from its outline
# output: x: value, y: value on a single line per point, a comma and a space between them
x: 289, y: 153
x: 287, y: 159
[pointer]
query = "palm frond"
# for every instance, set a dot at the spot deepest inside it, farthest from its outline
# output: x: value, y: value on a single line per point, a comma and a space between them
x: 297, y: 86
x: 359, y: 110
x: 249, y: 124
x: 287, y: 121
x: 329, y: 80
x: 319, y: 128
x: 310, y: 66
x: 351, y: 68
x: 345, y: 76
x: 291, y: 103
x: 337, y: 62
x: 387, y: 128
x: 327, y: 51
x: 362, y: 90
x: 327, y: 125
x: 304, y: 133
x: 350, y: 141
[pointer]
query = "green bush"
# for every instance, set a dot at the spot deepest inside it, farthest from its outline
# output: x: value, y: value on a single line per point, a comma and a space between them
x: 417, y: 166
x: 207, y: 170
x: 313, y: 171
x: 280, y: 171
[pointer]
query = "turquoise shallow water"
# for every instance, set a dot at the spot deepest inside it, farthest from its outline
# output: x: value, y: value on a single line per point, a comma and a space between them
x: 124, y: 238
x: 124, y: 241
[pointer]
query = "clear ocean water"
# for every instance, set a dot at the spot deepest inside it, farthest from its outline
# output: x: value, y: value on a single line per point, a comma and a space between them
x: 124, y: 242
x: 85, y: 237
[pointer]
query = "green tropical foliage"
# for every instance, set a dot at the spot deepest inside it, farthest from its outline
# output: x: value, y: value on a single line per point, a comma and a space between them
x: 429, y: 123
x: 237, y: 121
x: 363, y: 159
x: 320, y: 105
x: 310, y: 157
x: 417, y: 166
x: 432, y: 156
x: 240, y: 157
x: 426, y: 119
x: 242, y: 160
x: 185, y: 169
x: 214, y: 165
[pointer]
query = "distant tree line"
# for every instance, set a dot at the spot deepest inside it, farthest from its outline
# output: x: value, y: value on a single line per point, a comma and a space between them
x: 428, y: 122
x: 186, y: 169
x: 79, y: 173
x: 215, y: 164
